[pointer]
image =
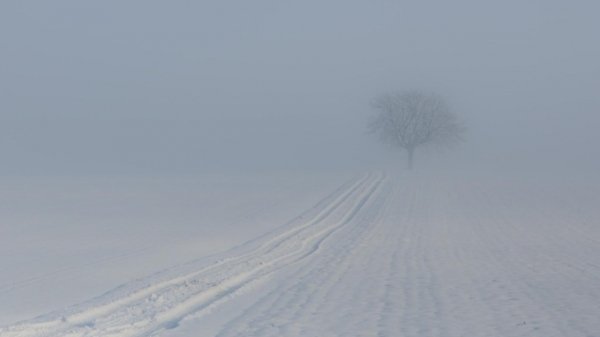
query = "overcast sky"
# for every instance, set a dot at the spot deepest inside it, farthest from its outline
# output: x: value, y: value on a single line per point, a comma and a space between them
x: 184, y: 86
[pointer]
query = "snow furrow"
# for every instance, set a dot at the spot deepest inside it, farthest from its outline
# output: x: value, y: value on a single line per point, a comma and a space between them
x: 409, y: 255
x: 162, y: 305
x: 315, y: 284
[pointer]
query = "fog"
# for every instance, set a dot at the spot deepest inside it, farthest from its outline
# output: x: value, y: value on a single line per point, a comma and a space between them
x: 190, y: 86
x: 186, y: 167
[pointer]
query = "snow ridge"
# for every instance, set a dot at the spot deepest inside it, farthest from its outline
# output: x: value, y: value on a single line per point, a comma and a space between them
x: 162, y: 305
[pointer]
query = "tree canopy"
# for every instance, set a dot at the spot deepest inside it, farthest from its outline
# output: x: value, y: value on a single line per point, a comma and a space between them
x: 413, y: 119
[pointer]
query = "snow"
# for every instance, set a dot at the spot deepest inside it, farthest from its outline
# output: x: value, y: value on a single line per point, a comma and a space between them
x: 410, y: 254
x: 66, y: 239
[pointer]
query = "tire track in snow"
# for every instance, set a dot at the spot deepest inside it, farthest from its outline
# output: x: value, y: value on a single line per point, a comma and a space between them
x: 163, y: 305
x: 319, y: 285
x: 459, y: 262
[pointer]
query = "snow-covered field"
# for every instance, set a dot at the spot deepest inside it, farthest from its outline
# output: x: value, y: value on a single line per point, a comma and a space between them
x: 66, y: 239
x: 375, y: 254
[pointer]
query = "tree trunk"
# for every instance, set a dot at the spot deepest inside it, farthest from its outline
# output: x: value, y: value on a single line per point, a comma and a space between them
x: 411, y: 155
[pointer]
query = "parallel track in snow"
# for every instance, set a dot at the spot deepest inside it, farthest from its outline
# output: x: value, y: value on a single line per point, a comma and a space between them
x: 163, y: 304
x: 411, y: 256
x: 435, y: 257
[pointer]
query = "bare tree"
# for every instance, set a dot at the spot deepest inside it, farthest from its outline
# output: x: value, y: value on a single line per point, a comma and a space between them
x: 412, y: 119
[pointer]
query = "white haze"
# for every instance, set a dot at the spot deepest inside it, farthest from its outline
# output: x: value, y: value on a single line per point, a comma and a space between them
x: 190, y: 86
x: 192, y: 167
